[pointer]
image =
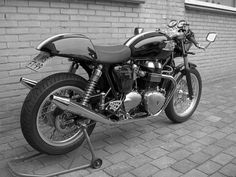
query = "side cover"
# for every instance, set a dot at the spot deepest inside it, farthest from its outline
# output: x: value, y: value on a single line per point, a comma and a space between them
x: 69, y: 45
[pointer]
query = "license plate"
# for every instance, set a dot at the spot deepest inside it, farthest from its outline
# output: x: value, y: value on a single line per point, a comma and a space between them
x: 38, y: 61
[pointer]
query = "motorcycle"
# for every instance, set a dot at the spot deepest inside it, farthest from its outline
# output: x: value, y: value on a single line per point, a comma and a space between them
x: 131, y: 82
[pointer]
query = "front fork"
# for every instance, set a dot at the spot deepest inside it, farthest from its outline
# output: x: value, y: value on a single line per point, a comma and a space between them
x: 187, y: 72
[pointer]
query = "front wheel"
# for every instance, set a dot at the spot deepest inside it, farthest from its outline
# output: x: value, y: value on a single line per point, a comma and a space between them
x: 47, y: 128
x: 180, y: 107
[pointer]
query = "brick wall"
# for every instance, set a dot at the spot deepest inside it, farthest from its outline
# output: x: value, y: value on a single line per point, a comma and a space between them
x: 24, y: 23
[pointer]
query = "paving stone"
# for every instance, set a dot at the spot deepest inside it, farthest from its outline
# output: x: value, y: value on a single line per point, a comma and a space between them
x: 213, y: 118
x: 184, y: 166
x: 217, y: 135
x: 209, y: 167
x: 227, y: 130
x: 209, y: 129
x: 185, y: 139
x: 136, y: 150
x: 217, y: 174
x: 167, y: 172
x: 222, y: 158
x: 206, y: 140
x: 232, y: 137
x: 4, y: 147
x: 98, y: 174
x: 115, y: 148
x: 163, y: 130
x: 199, y: 157
x: 179, y: 154
x: 181, y: 132
x: 149, y: 136
x: 229, y: 170
x: 212, y: 150
x: 234, y: 161
x: 198, y: 134
x: 127, y: 175
x: 153, y: 143
x: 145, y: 170
x: 171, y: 146
x: 78, y: 173
x: 195, y: 173
x: 195, y: 147
x: 224, y: 143
x: 118, y: 169
x: 163, y: 162
x: 118, y: 157
x: 138, y: 160
x: 231, y: 151
x: 156, y: 153
x: 168, y: 137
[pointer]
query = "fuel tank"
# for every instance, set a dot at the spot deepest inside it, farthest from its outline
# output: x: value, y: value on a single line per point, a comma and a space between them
x: 152, y: 43
x: 69, y: 45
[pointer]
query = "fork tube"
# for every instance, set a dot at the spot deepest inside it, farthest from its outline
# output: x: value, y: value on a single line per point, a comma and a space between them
x: 187, y: 72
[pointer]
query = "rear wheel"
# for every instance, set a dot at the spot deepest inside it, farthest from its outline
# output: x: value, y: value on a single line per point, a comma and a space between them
x: 47, y: 128
x: 180, y: 107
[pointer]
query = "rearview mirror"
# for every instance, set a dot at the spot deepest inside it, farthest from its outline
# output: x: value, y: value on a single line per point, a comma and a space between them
x: 138, y: 30
x: 211, y: 37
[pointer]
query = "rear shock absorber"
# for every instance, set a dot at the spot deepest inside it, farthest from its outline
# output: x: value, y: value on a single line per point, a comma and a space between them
x: 92, y: 83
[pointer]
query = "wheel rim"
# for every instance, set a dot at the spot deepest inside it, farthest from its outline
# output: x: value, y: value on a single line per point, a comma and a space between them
x: 57, y: 130
x: 183, y: 106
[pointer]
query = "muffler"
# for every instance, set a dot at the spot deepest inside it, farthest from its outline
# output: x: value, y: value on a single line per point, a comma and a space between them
x: 28, y: 83
x: 67, y: 104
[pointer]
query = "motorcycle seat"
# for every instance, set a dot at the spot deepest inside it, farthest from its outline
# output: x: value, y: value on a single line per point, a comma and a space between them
x: 112, y: 54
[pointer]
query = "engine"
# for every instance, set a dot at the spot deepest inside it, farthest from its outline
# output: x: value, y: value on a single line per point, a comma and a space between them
x: 148, y: 100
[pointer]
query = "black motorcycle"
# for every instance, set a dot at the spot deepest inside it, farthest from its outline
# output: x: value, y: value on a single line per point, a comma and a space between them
x: 127, y: 83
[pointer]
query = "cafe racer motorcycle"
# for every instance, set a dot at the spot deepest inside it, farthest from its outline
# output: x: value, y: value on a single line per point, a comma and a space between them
x: 126, y: 83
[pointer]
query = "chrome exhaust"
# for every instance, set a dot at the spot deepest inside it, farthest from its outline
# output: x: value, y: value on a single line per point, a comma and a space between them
x: 27, y: 82
x: 67, y: 104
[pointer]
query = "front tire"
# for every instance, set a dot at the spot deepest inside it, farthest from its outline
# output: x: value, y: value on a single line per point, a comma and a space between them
x: 47, y: 128
x: 180, y: 108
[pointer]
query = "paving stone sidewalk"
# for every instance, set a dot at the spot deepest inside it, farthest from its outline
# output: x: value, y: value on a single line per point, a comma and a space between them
x: 203, y: 146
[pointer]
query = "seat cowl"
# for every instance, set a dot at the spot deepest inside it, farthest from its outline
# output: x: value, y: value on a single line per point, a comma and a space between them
x: 112, y: 54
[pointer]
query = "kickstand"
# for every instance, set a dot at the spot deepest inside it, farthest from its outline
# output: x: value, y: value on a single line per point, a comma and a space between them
x: 95, y: 162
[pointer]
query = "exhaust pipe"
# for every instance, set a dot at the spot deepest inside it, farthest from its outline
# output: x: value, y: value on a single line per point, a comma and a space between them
x: 67, y: 104
x: 27, y: 82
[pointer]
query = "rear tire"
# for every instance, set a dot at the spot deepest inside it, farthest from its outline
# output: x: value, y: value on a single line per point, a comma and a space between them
x: 32, y: 108
x: 177, y: 115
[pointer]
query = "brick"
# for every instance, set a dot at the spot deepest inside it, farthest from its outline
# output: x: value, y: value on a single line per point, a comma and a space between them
x: 38, y: 17
x: 229, y: 170
x: 179, y: 154
x: 59, y: 4
x: 17, y: 3
x: 17, y: 30
x: 118, y: 169
x: 6, y: 9
x: 167, y: 172
x: 195, y: 173
x: 50, y: 10
x: 69, y: 11
x: 209, y: 167
x: 3, y: 45
x: 28, y: 23
x: 145, y: 170
x: 7, y: 38
x: 28, y: 10
x: 156, y: 153
x: 184, y: 166
x: 4, y: 147
x: 17, y: 17
x: 79, y: 17
x: 38, y: 3
x: 18, y: 44
x: 86, y: 12
x: 59, y: 17
x: 103, y: 13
